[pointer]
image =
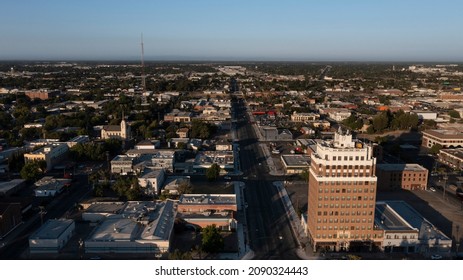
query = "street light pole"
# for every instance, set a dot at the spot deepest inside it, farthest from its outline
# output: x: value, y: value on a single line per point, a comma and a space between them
x: 445, y: 185
x: 457, y: 240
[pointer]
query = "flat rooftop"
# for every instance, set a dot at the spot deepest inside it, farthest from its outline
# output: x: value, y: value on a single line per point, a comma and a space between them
x: 210, y: 216
x: 296, y: 160
x: 160, y: 228
x: 386, y: 218
x: 6, y: 186
x: 116, y: 229
x: 401, y: 167
x: 157, y: 223
x: 150, y: 173
x: 195, y: 199
x: 122, y: 158
x: 106, y: 207
x: 50, y: 183
x: 52, y: 229
x: 458, y: 152
x: 445, y: 133
x: 411, y: 217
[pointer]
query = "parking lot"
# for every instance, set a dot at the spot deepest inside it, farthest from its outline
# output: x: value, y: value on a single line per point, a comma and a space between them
x: 445, y: 213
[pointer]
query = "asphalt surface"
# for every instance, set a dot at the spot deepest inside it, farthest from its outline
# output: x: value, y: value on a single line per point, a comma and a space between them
x: 269, y: 229
x: 17, y: 245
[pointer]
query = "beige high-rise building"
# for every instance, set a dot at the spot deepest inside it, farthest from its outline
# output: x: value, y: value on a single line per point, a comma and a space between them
x: 342, y: 195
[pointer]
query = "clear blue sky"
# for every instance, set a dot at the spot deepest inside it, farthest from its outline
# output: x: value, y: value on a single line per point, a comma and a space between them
x: 380, y: 30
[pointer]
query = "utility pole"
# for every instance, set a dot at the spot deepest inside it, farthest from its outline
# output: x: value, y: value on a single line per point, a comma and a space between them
x: 42, y: 213
x: 445, y: 184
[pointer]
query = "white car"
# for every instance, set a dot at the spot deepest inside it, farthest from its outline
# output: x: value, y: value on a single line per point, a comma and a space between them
x: 436, y: 257
x: 432, y: 189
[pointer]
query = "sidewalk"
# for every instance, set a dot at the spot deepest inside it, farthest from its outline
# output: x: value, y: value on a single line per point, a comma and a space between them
x: 244, y: 252
x: 303, y: 251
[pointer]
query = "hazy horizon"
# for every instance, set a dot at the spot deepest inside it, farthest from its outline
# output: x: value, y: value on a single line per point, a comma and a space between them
x: 241, y: 30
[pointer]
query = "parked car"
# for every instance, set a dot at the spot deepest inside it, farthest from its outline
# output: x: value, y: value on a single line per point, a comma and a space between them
x: 432, y: 189
x: 436, y: 257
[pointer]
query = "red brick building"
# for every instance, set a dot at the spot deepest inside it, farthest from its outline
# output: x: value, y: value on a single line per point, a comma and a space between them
x: 208, y: 209
x: 401, y: 176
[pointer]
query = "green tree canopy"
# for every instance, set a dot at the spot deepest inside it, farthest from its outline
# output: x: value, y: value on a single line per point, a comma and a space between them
x: 435, y: 149
x: 212, y: 241
x: 353, y: 122
x: 380, y: 122
x: 454, y: 114
x: 203, y: 130
x: 213, y: 172
x: 32, y: 170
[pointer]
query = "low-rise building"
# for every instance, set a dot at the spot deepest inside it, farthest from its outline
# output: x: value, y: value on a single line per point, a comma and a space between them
x: 223, y: 145
x: 269, y: 133
x: 51, y: 154
x: 285, y: 134
x: 321, y: 124
x: 120, y: 132
x: 52, y: 236
x: 426, y: 115
x: 122, y: 164
x: 142, y: 227
x: 147, y: 145
x: 49, y: 186
x: 401, y: 176
x: 178, y: 116
x: 182, y: 132
x: 304, y: 117
x: 163, y: 159
x: 10, y: 187
x: 205, y: 159
x: 295, y: 164
x: 208, y: 209
x: 172, y: 183
x: 42, y: 94
x: 307, y: 131
x: 151, y: 180
x: 445, y: 138
x: 337, y: 114
x: 452, y: 157
x: 406, y: 231
x: 81, y: 139
x: 98, y: 211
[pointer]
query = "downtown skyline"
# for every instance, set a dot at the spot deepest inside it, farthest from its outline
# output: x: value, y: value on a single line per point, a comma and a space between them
x: 238, y: 30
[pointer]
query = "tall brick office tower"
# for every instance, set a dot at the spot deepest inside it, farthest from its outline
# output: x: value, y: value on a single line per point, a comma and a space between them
x: 342, y: 195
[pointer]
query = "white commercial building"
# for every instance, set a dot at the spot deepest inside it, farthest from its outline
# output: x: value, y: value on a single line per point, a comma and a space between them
x: 143, y: 227
x: 406, y: 231
x: 122, y: 164
x: 51, y: 154
x: 49, y: 186
x: 98, y: 211
x: 52, y: 236
x: 151, y: 180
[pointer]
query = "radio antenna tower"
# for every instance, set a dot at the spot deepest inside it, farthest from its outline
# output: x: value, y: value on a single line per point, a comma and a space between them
x: 143, y: 78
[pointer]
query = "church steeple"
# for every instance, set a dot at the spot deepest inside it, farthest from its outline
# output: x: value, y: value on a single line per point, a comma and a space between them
x: 124, y: 128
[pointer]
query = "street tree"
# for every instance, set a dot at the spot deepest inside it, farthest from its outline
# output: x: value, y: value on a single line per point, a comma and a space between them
x: 212, y: 241
x: 212, y: 173
x: 31, y: 171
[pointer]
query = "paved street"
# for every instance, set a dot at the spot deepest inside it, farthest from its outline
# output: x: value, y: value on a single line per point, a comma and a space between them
x: 269, y: 229
x: 17, y: 242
